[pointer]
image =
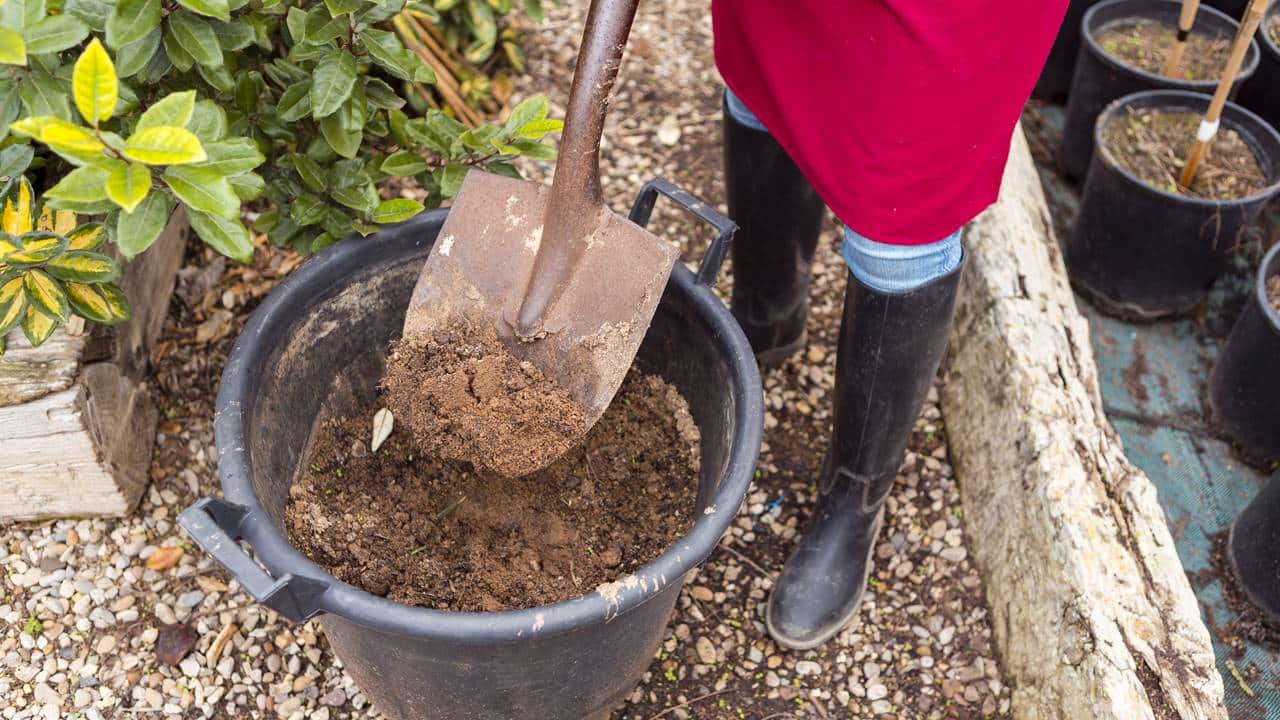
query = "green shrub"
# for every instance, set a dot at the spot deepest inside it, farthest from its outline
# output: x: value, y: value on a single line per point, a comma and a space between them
x: 210, y: 103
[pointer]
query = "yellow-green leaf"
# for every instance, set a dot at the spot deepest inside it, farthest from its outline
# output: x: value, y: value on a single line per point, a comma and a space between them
x: 164, y: 145
x: 116, y: 302
x: 37, y: 326
x: 128, y: 184
x: 45, y: 293
x: 83, y: 267
x: 16, y: 218
x: 13, y: 51
x: 13, y: 303
x: 94, y: 85
x: 35, y: 248
x: 88, y: 303
x: 56, y: 221
x: 173, y: 110
x: 89, y: 236
x: 63, y: 137
x: 83, y: 185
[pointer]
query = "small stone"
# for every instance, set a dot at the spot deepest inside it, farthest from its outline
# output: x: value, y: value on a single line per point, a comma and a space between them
x: 773, y: 661
x: 334, y: 697
x: 106, y: 644
x: 46, y: 695
x: 189, y: 667
x: 701, y: 594
x: 881, y: 707
x: 706, y: 651
x: 188, y: 600
x: 876, y: 691
x: 954, y: 554
x: 808, y: 667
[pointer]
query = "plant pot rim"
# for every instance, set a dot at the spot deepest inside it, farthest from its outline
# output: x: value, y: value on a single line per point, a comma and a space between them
x: 349, y: 260
x: 1251, y: 57
x: 1269, y: 44
x: 1269, y: 266
x: 1184, y: 100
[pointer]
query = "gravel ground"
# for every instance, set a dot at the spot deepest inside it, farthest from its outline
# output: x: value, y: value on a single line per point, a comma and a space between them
x: 124, y: 618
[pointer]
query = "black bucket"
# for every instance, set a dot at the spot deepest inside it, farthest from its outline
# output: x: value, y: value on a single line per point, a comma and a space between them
x: 1101, y: 79
x: 1141, y: 253
x: 1244, y: 387
x: 571, y: 660
x: 1262, y: 93
x: 1251, y: 548
x: 1055, y: 78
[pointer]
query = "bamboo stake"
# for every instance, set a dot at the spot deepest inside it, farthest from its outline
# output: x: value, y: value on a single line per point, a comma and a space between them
x: 1209, y: 125
x: 1185, y: 21
x: 410, y: 32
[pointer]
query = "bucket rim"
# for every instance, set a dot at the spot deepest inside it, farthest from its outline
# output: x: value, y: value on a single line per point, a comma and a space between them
x: 344, y: 260
x: 1269, y: 267
x: 1247, y: 70
x: 1233, y: 114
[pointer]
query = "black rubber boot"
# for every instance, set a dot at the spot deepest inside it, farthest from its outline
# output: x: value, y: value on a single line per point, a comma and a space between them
x: 890, y: 347
x: 778, y: 215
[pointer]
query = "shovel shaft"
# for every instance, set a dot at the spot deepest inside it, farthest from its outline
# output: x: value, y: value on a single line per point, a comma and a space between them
x: 576, y: 203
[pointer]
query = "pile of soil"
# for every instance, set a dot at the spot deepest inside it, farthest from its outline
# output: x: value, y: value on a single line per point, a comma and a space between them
x: 467, y: 398
x: 1146, y: 44
x: 1273, y: 292
x: 404, y: 524
x: 1153, y: 144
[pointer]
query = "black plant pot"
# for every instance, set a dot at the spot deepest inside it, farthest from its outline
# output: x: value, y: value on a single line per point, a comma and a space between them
x: 1055, y: 78
x: 1233, y: 8
x: 1140, y: 252
x: 321, y: 337
x: 1101, y: 78
x: 1244, y: 388
x: 1251, y: 549
x: 1262, y: 93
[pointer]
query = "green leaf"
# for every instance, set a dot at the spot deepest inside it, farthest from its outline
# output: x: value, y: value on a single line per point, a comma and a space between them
x: 382, y: 95
x: 391, y: 211
x: 342, y: 7
x: 533, y: 8
x: 85, y: 184
x: 35, y: 248
x: 133, y: 57
x: 116, y: 301
x: 333, y: 80
x: 217, y: 9
x: 128, y: 184
x: 180, y: 58
x: 44, y: 94
x: 534, y: 108
x: 248, y: 186
x: 15, y: 159
x: 13, y: 302
x: 45, y: 294
x: 536, y: 129
x: 88, y: 303
x: 450, y: 179
x: 94, y: 84
x: 164, y: 145
x: 67, y: 139
x: 310, y: 172
x: 356, y: 199
x: 403, y: 164
x: 307, y: 209
x: 209, y: 121
x: 93, y: 13
x: 13, y: 50
x: 535, y: 150
x: 55, y: 34
x: 234, y: 35
x: 36, y: 325
x: 131, y: 20
x: 88, y: 236
x: 387, y: 51
x: 232, y: 157
x: 83, y: 267
x: 228, y: 237
x: 173, y: 110
x: 344, y: 139
x: 296, y: 22
x: 203, y: 190
x: 136, y: 231
x: 295, y: 102
x: 196, y: 36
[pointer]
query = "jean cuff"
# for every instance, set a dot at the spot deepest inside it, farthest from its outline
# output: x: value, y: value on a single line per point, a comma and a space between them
x: 900, y: 268
x: 739, y: 111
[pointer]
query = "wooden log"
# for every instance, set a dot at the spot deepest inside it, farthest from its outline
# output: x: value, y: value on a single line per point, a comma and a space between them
x: 1091, y: 609
x: 77, y: 422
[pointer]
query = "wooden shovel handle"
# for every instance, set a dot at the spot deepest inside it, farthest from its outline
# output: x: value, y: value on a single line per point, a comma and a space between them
x: 1186, y: 20
x: 574, y: 209
x: 1248, y: 26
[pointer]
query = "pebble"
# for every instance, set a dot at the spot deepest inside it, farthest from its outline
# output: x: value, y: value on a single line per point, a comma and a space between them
x: 188, y: 600
x: 706, y: 651
x: 808, y: 667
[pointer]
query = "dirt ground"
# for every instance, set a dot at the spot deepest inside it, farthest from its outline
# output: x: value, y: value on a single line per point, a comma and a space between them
x: 87, y: 604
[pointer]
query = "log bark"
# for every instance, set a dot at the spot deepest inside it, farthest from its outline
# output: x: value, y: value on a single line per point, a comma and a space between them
x: 1092, y: 612
x: 77, y: 422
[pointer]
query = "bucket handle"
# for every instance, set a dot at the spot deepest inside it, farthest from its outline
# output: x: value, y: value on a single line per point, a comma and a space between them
x: 215, y: 526
x: 709, y: 269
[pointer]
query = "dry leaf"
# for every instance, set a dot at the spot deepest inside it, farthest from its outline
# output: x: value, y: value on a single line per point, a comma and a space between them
x: 164, y: 558
x: 383, y: 421
x: 173, y: 642
x: 220, y: 644
x: 210, y: 584
x: 669, y: 131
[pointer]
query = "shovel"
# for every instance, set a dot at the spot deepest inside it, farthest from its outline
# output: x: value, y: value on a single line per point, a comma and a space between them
x: 569, y: 286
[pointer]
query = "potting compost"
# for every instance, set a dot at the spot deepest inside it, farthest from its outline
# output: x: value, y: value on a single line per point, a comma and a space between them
x: 1146, y: 44
x: 1273, y: 292
x: 1152, y: 144
x: 465, y: 396
x: 408, y: 525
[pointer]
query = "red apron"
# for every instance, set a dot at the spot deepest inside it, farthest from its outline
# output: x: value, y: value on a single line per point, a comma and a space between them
x: 899, y: 112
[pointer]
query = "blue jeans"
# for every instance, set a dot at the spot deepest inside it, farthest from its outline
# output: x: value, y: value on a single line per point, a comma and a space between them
x: 880, y: 266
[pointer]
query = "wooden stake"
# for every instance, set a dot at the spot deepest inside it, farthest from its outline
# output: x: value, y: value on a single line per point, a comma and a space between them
x: 1185, y: 21
x: 1209, y: 125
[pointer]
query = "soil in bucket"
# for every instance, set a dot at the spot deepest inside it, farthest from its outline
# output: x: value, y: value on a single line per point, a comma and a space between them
x: 1153, y: 144
x: 421, y: 529
x: 463, y: 395
x: 1145, y: 44
x: 1273, y: 292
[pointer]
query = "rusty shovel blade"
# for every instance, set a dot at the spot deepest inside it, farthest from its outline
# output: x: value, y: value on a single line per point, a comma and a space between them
x: 479, y: 267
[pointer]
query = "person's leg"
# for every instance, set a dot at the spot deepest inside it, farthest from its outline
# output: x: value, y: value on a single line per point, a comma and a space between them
x: 778, y: 215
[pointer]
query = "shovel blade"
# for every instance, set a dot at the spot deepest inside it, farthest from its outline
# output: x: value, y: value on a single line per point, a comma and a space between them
x: 480, y: 264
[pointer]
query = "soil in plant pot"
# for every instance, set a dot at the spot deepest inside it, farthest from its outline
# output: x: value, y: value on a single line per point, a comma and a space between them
x: 1273, y: 30
x: 1153, y: 144
x: 407, y: 525
x: 1145, y: 44
x: 1273, y: 292
x: 467, y: 398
